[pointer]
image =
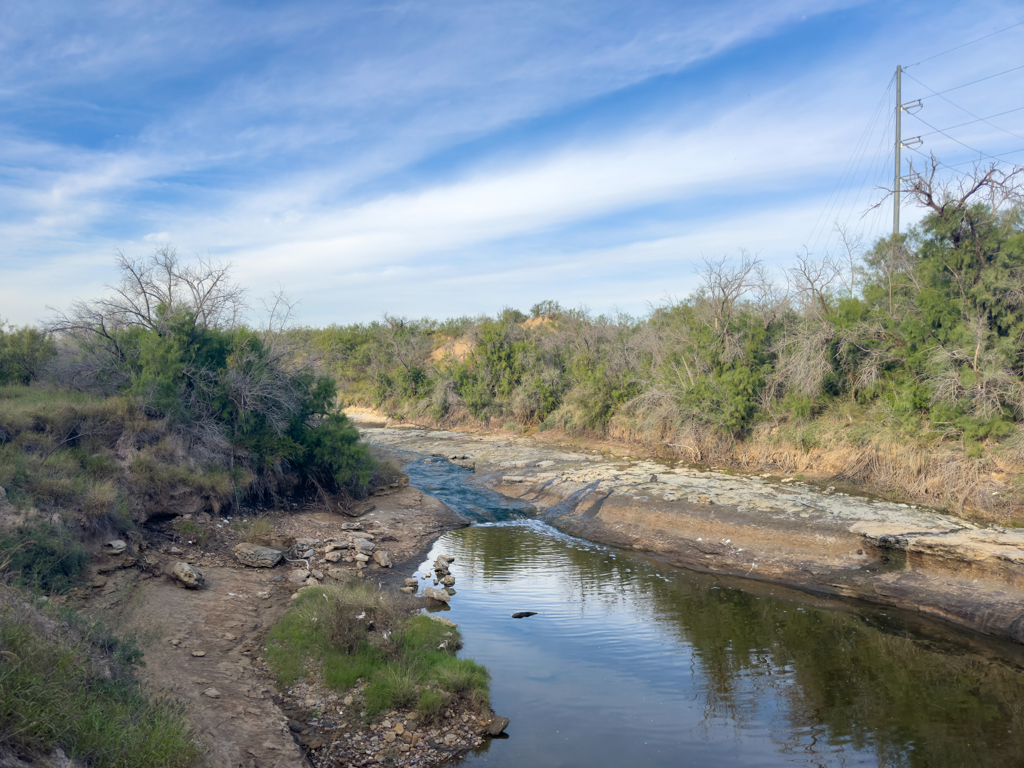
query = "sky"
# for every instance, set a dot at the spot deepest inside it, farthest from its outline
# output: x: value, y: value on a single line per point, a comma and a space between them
x: 449, y: 159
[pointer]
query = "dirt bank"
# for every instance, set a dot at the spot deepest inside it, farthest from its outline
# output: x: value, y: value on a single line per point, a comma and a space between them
x: 756, y: 526
x: 206, y: 646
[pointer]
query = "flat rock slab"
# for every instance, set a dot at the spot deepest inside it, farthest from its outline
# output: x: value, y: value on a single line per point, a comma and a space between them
x: 257, y: 556
x: 755, y: 526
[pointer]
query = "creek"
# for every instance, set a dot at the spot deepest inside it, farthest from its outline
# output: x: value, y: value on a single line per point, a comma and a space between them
x: 630, y: 662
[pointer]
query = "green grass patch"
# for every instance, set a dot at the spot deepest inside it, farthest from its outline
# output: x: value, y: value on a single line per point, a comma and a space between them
x: 354, y: 631
x: 61, y: 686
x: 43, y: 557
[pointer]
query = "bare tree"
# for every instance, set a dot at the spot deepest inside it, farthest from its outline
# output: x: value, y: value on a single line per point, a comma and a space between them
x: 151, y: 293
x: 812, y: 280
x: 724, y: 286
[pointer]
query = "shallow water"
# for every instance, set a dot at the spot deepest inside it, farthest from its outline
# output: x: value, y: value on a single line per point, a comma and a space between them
x: 633, y: 663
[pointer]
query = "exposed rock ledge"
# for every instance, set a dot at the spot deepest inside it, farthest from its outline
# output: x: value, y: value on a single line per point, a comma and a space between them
x: 759, y: 527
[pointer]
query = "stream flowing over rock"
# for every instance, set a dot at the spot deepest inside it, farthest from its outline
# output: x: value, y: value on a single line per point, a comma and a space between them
x: 761, y: 527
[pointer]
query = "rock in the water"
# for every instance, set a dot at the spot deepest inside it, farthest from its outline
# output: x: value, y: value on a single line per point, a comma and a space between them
x: 448, y: 581
x: 115, y: 547
x: 257, y: 556
x: 382, y: 559
x: 187, y: 575
x: 450, y: 591
x: 411, y: 583
x: 496, y: 726
x: 523, y: 614
x: 437, y: 594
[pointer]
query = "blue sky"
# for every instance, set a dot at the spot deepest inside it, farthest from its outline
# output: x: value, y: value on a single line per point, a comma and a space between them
x: 441, y: 159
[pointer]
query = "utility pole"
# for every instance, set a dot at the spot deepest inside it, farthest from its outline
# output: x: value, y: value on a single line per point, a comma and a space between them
x: 899, y: 144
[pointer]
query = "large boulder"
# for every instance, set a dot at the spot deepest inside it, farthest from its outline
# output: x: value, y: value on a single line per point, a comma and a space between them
x: 187, y: 575
x: 437, y: 594
x: 496, y: 726
x: 257, y: 556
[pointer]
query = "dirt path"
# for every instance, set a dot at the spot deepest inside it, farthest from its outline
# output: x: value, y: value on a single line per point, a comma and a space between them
x: 204, y: 646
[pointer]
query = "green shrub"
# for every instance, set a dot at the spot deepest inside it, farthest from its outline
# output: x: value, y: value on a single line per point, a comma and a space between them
x: 355, y: 631
x: 44, y: 556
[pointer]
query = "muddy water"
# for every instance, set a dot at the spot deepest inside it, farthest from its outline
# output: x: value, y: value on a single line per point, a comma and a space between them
x: 631, y: 663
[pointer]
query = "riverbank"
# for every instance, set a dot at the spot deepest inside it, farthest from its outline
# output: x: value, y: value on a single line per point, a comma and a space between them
x: 770, y: 528
x: 206, y: 646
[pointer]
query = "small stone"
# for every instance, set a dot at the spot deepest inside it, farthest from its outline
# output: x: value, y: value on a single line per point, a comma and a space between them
x: 390, y: 737
x: 437, y: 594
x: 213, y: 693
x: 307, y: 554
x: 361, y: 558
x: 311, y: 582
x: 198, y: 654
x: 408, y: 590
x: 443, y: 620
x: 364, y: 545
x: 317, y: 575
x: 451, y: 591
x: 187, y: 575
x: 399, y: 729
x: 263, y: 595
x: 298, y: 576
x: 411, y: 583
x: 382, y: 559
x: 333, y: 557
x: 448, y: 581
x: 115, y: 547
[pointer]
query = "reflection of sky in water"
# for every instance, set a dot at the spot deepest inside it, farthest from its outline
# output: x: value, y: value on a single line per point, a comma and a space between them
x: 631, y: 663
x: 595, y: 678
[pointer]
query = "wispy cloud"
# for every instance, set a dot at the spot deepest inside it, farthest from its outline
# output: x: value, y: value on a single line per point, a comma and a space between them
x: 330, y: 146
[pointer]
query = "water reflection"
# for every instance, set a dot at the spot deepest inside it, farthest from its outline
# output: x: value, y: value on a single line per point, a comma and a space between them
x: 630, y: 662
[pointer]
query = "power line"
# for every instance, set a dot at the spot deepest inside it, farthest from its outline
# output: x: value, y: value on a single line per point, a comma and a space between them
x: 981, y: 119
x: 964, y: 45
x: 851, y: 168
x: 951, y: 138
x: 970, y: 162
x: 939, y: 162
x: 971, y: 122
x: 979, y: 80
